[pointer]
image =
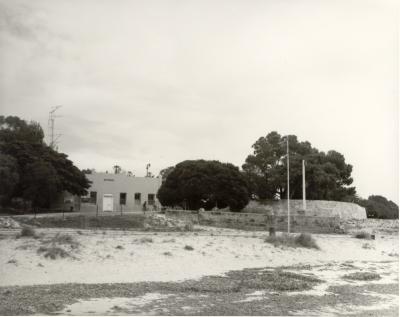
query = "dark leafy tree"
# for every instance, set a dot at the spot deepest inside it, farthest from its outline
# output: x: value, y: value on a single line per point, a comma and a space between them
x: 40, y: 183
x: 165, y: 172
x: 328, y: 175
x: 88, y: 170
x: 13, y: 128
x: 9, y: 177
x: 379, y: 207
x: 24, y: 143
x: 205, y: 184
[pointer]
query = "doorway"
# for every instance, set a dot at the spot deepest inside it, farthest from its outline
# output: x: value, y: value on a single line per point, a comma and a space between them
x: 108, y: 202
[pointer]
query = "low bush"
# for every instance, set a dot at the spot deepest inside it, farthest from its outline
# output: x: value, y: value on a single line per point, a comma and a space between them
x: 146, y: 240
x: 362, y: 276
x: 362, y: 235
x: 53, y: 252
x: 188, y: 226
x: 28, y: 232
x: 188, y: 247
x: 303, y: 240
x: 63, y: 239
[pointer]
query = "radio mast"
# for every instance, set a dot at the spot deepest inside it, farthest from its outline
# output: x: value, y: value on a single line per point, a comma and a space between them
x: 53, y: 137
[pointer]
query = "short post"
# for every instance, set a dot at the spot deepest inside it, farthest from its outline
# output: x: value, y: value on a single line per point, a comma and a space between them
x: 63, y: 213
x: 97, y: 210
x: 272, y: 227
x: 121, y: 209
x: 34, y: 209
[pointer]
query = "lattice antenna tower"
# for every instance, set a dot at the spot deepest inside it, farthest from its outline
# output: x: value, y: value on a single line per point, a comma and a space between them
x: 53, y: 138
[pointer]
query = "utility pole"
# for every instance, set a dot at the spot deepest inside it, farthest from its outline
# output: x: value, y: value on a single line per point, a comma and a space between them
x: 304, y: 185
x: 288, y: 186
x: 52, y: 118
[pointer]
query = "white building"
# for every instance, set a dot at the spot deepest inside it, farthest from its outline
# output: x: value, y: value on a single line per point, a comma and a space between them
x: 113, y: 192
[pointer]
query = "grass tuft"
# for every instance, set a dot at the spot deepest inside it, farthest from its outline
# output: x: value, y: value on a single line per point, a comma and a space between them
x: 188, y: 248
x: 167, y: 253
x: 303, y: 240
x: 362, y: 276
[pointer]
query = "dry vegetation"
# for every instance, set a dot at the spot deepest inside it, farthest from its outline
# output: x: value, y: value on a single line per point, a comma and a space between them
x: 362, y: 235
x: 362, y: 276
x: 303, y: 240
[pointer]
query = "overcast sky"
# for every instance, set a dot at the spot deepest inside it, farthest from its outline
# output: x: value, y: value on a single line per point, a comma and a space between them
x: 164, y: 81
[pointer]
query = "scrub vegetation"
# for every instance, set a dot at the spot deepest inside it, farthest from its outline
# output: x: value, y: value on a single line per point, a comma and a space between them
x: 362, y: 276
x: 303, y: 240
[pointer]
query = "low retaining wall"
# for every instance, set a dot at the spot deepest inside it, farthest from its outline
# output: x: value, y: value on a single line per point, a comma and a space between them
x: 260, y: 221
x: 317, y: 208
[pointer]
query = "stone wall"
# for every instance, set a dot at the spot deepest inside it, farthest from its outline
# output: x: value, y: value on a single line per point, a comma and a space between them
x: 317, y: 208
x: 260, y: 221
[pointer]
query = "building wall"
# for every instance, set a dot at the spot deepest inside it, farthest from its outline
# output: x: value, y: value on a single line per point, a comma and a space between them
x: 114, y: 184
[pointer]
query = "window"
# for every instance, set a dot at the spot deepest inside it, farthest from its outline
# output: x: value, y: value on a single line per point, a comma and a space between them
x: 122, y: 198
x: 151, y: 199
x: 138, y: 199
x: 90, y: 199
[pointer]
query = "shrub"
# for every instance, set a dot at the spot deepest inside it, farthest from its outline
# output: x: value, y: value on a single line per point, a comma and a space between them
x: 146, y: 240
x: 362, y: 235
x: 362, y: 276
x: 188, y: 226
x: 188, y: 247
x: 53, y: 252
x: 303, y: 240
x: 64, y: 239
x: 167, y: 253
x: 367, y: 246
x: 28, y: 232
x: 307, y: 241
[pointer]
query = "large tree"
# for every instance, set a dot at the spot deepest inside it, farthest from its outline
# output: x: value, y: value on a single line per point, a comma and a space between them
x: 35, y: 161
x: 207, y: 184
x: 379, y: 207
x: 9, y: 177
x: 328, y: 175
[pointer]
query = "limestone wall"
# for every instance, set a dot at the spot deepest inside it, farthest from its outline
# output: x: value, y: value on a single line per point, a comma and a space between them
x: 260, y: 221
x: 317, y: 208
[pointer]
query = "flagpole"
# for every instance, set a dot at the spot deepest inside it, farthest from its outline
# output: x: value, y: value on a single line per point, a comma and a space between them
x: 304, y: 185
x: 288, y: 186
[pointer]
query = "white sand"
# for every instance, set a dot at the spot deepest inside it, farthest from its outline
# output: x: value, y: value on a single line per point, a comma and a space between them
x: 99, y: 261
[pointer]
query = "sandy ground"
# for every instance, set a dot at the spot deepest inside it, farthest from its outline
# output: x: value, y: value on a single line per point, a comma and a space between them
x: 123, y: 256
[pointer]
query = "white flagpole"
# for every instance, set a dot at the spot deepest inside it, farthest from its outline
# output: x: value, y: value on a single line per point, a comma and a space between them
x: 304, y: 186
x: 288, y: 187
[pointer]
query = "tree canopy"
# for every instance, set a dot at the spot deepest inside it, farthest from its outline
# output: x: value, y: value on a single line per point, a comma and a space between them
x: 328, y: 176
x: 204, y: 184
x: 33, y: 168
x: 379, y: 207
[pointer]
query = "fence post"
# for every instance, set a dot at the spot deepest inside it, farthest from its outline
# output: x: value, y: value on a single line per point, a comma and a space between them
x: 121, y: 209
x: 97, y: 210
